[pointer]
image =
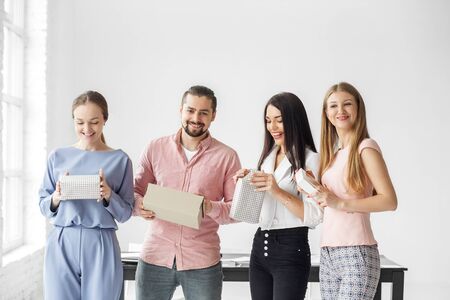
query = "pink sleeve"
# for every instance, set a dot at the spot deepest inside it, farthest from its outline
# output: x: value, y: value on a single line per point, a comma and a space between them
x: 220, y: 211
x: 144, y: 176
x: 368, y: 143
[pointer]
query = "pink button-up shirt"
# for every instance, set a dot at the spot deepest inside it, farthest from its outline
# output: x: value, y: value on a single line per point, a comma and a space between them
x: 210, y: 174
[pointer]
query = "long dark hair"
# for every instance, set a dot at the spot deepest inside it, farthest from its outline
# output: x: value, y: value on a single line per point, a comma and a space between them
x: 297, y: 133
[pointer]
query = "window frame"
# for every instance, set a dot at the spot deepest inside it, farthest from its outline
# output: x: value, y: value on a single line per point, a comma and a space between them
x: 12, y: 103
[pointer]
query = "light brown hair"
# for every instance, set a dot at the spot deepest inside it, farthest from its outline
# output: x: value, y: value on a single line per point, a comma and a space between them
x: 95, y: 98
x: 356, y: 175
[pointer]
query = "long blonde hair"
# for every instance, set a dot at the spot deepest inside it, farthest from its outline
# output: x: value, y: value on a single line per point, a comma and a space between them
x: 356, y: 175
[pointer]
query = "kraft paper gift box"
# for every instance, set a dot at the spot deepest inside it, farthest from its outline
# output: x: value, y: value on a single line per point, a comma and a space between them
x: 247, y: 203
x: 174, y: 206
x: 306, y: 182
x: 79, y: 187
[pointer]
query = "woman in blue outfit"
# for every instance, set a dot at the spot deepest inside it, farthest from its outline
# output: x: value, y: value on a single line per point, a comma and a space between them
x: 280, y: 258
x: 82, y: 259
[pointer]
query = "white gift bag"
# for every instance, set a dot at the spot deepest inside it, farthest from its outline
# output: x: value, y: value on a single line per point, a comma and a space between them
x: 247, y: 203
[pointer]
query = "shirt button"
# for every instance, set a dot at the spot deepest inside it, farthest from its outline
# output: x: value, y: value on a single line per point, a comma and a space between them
x: 266, y: 235
x: 275, y: 221
x: 265, y: 248
x: 265, y: 254
x: 266, y: 242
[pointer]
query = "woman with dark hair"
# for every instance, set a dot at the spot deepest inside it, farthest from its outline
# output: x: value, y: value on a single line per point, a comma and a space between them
x: 280, y: 259
x: 82, y: 256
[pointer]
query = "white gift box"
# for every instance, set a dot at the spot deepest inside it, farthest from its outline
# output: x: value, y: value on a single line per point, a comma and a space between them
x: 306, y: 182
x: 247, y: 203
x: 79, y: 187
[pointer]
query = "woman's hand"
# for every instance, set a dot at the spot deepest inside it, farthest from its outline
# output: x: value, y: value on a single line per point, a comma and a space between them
x: 56, y: 196
x: 265, y: 182
x: 105, y: 190
x: 324, y: 197
x: 240, y: 174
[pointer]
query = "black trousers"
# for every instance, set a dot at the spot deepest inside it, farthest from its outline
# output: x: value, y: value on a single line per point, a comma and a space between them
x: 280, y: 262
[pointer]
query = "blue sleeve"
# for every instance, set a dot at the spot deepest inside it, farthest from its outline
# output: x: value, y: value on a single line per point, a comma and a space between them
x: 47, y: 188
x: 122, y: 201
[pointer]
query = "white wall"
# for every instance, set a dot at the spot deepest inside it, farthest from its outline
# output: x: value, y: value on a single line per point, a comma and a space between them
x: 142, y: 55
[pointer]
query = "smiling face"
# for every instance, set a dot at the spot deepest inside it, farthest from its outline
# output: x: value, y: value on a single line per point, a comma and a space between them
x: 89, y: 121
x: 274, y: 124
x: 196, y: 115
x: 341, y: 110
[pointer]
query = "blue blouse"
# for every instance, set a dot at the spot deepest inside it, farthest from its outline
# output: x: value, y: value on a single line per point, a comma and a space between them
x: 118, y: 173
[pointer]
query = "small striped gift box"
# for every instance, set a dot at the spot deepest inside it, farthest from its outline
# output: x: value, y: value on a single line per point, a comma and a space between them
x: 78, y: 187
x: 247, y: 203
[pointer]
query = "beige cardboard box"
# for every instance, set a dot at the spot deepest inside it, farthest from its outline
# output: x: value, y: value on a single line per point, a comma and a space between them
x: 174, y: 206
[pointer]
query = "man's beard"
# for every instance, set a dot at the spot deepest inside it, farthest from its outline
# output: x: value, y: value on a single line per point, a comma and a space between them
x: 194, y: 134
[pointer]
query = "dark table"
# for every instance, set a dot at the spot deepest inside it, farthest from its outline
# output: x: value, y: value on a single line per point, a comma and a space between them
x: 238, y: 271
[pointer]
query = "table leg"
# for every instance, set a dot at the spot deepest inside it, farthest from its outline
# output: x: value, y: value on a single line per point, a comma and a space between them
x: 122, y: 293
x: 398, y: 278
x: 378, y: 292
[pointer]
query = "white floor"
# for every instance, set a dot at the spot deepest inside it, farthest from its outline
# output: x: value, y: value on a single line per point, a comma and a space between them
x: 231, y: 291
x: 241, y: 291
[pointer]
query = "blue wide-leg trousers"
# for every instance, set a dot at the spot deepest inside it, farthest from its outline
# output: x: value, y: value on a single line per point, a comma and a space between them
x: 82, y: 263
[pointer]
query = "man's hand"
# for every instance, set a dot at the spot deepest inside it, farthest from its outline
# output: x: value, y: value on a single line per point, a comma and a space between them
x: 144, y: 213
x: 207, y: 206
x: 240, y: 174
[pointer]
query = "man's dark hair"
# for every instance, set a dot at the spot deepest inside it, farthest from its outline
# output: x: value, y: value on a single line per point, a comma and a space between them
x: 201, y: 91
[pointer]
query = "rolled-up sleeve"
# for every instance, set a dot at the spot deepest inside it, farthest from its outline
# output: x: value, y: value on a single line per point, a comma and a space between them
x: 144, y: 175
x: 312, y: 212
x: 220, y: 211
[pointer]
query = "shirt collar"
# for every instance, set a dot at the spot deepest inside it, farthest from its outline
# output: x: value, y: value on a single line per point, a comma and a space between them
x: 205, y: 143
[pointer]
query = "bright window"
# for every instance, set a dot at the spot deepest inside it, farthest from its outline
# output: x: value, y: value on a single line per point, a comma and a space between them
x: 12, y: 133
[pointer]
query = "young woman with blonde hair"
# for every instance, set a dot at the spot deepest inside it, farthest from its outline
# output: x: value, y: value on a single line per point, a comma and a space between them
x: 355, y: 183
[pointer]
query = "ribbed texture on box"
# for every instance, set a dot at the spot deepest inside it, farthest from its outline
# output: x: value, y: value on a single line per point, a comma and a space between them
x: 247, y: 203
x: 78, y: 187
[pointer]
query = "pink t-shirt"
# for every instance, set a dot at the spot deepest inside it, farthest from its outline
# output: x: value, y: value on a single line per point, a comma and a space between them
x: 342, y: 228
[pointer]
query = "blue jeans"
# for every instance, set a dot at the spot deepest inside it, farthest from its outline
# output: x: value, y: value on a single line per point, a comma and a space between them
x: 279, y: 264
x: 159, y: 283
